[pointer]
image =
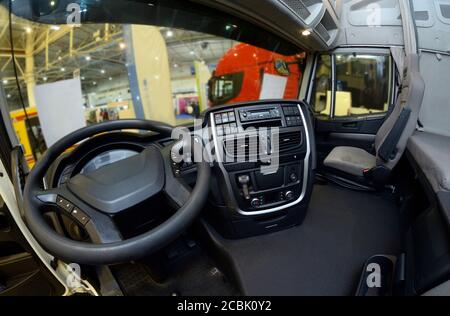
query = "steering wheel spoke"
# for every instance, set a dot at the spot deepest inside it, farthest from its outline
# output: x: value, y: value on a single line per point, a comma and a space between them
x: 100, y: 227
x: 175, y: 189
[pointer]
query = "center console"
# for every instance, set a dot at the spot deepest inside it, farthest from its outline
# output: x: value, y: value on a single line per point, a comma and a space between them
x: 263, y: 170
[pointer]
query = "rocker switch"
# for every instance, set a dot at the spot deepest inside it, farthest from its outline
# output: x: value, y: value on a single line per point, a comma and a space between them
x: 244, y: 182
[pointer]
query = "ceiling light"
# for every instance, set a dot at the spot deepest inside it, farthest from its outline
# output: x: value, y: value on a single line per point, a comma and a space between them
x: 63, y: 69
x: 88, y: 58
x: 59, y: 57
x: 8, y: 96
x: 52, y: 3
x: 110, y: 78
x: 55, y: 27
x: 83, y: 78
x: 122, y: 45
x: 169, y: 33
x: 156, y: 58
x: 45, y: 78
x: 94, y: 83
x: 175, y: 65
x: 28, y: 29
x: 102, y: 71
x: 306, y: 33
x: 5, y: 81
x: 192, y: 52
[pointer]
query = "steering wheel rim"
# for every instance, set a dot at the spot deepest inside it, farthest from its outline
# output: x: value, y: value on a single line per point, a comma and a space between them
x: 117, y: 251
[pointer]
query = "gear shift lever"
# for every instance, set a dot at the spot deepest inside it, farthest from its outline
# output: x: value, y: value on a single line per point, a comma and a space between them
x: 244, y: 181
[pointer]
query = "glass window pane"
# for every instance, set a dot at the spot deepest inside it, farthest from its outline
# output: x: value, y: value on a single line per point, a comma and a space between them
x: 362, y: 84
x: 125, y: 71
x: 321, y: 95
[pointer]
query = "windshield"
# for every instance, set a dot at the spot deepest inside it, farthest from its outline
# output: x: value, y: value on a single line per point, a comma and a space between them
x: 68, y: 64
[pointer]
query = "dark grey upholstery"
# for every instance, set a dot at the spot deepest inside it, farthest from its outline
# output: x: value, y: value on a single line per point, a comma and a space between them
x: 432, y: 154
x: 355, y: 161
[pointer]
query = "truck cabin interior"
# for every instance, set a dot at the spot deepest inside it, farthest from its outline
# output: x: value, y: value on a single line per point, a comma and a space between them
x: 224, y: 147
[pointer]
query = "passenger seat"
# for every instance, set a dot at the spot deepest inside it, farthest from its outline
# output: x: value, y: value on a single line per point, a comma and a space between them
x: 392, y: 138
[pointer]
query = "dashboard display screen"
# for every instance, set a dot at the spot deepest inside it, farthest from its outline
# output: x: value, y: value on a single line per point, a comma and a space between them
x: 107, y: 158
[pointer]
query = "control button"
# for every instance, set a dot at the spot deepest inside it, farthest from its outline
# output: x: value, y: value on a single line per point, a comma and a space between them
x: 231, y: 117
x: 290, y: 121
x: 293, y: 177
x: 233, y: 128
x: 296, y: 111
x: 64, y: 204
x: 256, y: 203
x: 80, y: 216
x: 225, y: 118
x: 227, y: 129
x: 218, y: 119
x: 289, y: 195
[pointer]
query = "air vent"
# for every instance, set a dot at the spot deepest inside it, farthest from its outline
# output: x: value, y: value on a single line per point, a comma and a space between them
x: 249, y: 148
x: 421, y: 15
x: 242, y: 147
x: 323, y: 33
x: 445, y: 10
x: 298, y: 7
x: 290, y: 141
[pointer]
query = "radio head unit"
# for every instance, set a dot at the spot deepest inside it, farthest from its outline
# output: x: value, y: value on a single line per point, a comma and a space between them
x: 249, y: 115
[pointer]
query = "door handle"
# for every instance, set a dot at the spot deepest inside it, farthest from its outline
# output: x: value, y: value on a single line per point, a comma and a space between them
x: 350, y: 125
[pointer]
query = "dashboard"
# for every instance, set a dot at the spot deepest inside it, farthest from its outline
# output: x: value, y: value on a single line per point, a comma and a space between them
x: 250, y: 194
x: 98, y: 152
x: 268, y: 189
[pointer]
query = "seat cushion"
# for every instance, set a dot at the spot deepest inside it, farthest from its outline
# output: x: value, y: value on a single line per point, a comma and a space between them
x: 350, y: 160
x: 432, y: 154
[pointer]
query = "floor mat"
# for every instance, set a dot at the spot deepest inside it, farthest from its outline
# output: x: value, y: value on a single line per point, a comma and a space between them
x: 325, y: 255
x: 192, y: 275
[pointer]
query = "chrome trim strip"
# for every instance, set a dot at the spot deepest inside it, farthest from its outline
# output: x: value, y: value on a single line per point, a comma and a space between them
x: 305, y: 174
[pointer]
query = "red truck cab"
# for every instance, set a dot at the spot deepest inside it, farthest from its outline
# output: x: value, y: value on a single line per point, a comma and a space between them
x: 240, y: 74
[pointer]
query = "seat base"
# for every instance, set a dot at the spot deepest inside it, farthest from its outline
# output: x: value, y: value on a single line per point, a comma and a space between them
x: 350, y: 160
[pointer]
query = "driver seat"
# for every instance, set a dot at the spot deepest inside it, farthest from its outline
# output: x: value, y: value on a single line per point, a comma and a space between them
x: 392, y: 138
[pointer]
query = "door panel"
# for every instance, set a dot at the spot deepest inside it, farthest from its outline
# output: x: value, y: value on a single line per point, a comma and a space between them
x: 21, y: 273
x: 360, y: 133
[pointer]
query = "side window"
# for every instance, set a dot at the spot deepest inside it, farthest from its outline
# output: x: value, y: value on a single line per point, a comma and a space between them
x: 362, y: 84
x: 322, y: 88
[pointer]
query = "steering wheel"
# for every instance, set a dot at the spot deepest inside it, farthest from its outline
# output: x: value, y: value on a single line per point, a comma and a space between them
x: 94, y: 199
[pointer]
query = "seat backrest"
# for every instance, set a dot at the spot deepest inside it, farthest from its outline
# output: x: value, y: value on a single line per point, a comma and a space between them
x: 392, y: 138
